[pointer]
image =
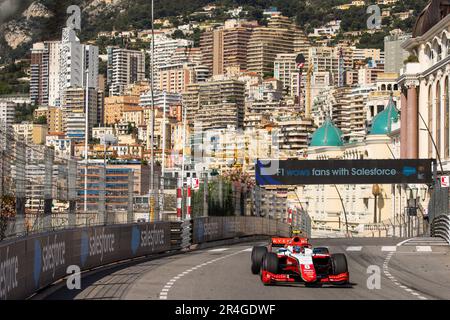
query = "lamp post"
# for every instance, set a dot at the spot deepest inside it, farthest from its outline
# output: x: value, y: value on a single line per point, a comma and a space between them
x: 412, y: 206
x: 86, y: 140
x: 152, y: 125
x: 376, y: 192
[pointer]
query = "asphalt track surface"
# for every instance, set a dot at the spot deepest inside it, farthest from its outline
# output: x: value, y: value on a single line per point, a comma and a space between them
x: 414, y: 270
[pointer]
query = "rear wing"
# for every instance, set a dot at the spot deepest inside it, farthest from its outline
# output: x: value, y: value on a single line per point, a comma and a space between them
x: 281, y: 242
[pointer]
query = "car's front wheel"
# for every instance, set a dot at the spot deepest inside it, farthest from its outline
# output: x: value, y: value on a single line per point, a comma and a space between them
x: 270, y: 263
x: 258, y: 254
x: 339, y: 265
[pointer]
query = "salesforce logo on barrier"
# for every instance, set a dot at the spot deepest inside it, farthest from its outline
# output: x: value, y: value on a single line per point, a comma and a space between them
x: 48, y: 257
x: 99, y: 244
x: 9, y: 269
x: 135, y: 239
x: 37, y: 262
x: 146, y: 238
x: 84, y: 247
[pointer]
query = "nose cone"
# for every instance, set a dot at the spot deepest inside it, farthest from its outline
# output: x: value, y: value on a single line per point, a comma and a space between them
x: 308, y: 273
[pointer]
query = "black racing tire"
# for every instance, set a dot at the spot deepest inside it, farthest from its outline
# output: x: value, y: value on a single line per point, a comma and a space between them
x: 258, y: 254
x: 338, y: 263
x: 270, y: 263
x: 321, y: 250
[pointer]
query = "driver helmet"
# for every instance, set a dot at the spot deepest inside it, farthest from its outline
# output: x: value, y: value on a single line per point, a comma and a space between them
x: 297, y: 249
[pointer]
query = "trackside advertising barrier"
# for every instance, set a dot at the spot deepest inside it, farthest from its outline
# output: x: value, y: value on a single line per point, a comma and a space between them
x: 32, y: 263
x: 219, y: 228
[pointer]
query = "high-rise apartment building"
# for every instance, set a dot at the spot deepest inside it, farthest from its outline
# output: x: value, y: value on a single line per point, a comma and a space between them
x: 7, y: 115
x: 235, y: 46
x: 78, y: 64
x: 220, y: 104
x: 45, y: 66
x: 74, y: 108
x: 125, y: 67
x: 115, y: 106
x: 211, y: 45
x: 165, y: 47
x: 280, y: 36
x: 394, y: 54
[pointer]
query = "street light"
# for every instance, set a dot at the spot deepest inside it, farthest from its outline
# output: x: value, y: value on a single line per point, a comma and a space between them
x: 376, y: 191
x: 412, y: 206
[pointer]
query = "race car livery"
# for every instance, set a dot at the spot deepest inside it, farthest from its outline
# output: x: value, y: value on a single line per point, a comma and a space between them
x: 295, y: 260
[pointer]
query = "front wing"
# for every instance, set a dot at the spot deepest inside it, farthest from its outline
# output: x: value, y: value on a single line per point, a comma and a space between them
x: 268, y: 278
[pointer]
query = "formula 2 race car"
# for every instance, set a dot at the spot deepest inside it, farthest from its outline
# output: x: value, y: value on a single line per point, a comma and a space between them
x: 295, y: 260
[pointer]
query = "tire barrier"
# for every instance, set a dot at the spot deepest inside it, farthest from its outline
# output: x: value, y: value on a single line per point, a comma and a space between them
x: 440, y: 227
x: 30, y: 264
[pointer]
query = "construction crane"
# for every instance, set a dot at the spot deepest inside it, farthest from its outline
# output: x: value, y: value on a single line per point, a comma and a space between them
x: 300, y: 60
x: 341, y: 68
x: 308, y: 90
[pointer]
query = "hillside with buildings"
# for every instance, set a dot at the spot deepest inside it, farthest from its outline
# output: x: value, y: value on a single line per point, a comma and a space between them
x: 22, y: 22
x: 227, y: 90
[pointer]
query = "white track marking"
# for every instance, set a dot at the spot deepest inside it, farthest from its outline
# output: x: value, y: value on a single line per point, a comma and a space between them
x: 354, y: 248
x: 219, y: 250
x: 391, y: 277
x: 164, y: 292
x: 424, y: 249
x: 389, y: 248
x: 248, y: 250
x: 403, y: 242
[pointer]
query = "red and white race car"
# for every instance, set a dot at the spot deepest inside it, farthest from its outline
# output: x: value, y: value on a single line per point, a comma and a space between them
x: 295, y: 260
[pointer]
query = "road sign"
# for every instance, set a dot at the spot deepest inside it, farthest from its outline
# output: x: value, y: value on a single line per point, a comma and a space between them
x: 445, y: 182
x: 312, y: 172
x: 195, y: 183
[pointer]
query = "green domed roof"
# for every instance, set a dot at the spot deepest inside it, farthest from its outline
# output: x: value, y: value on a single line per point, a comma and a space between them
x: 382, y: 122
x: 328, y: 135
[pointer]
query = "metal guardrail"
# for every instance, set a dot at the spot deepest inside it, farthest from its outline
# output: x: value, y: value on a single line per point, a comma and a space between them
x: 31, y: 263
x: 440, y: 227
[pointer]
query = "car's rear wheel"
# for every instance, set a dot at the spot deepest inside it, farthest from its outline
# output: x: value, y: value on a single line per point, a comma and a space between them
x: 270, y: 263
x: 258, y: 254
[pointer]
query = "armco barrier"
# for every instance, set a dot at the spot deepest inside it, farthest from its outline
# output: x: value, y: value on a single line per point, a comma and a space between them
x: 440, y: 227
x: 219, y: 228
x: 32, y: 263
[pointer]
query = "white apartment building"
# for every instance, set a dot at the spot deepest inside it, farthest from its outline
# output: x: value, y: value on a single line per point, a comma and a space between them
x: 78, y: 64
x: 45, y: 67
x: 165, y: 47
x: 7, y: 115
x: 125, y: 67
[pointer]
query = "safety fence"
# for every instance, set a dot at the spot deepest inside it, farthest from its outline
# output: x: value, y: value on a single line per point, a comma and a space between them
x: 29, y: 264
x: 440, y: 227
x: 399, y: 226
x: 217, y: 228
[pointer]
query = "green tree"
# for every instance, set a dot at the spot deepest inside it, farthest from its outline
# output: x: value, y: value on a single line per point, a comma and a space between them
x: 40, y: 120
